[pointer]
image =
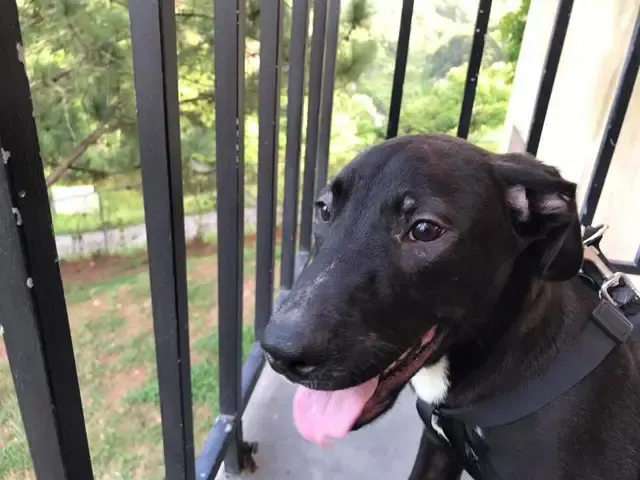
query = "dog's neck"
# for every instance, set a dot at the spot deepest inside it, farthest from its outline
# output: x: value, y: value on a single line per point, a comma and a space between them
x: 532, y: 320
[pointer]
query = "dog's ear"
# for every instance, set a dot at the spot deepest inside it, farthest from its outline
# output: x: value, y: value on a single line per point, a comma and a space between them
x: 543, y: 209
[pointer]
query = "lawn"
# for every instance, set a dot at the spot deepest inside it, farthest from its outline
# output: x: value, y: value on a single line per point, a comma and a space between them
x: 110, y: 314
x: 121, y: 208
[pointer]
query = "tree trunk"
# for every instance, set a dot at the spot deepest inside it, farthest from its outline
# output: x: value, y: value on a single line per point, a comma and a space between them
x: 77, y: 152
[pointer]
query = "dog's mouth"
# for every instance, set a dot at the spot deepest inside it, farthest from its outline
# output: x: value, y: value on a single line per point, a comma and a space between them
x: 321, y: 415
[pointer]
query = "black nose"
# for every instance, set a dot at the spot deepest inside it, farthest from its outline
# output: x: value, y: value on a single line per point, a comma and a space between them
x: 292, y: 351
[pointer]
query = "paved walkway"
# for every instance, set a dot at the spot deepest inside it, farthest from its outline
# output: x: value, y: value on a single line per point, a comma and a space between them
x: 135, y: 236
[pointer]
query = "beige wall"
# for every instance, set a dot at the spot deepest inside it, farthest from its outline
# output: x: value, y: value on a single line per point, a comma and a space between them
x: 596, y: 44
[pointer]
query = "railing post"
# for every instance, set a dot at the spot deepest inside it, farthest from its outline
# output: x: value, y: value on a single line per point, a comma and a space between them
x: 313, y: 114
x: 473, y: 69
x: 32, y: 304
x: 554, y: 52
x: 153, y: 34
x: 400, y: 69
x: 229, y: 87
x: 613, y: 127
x: 271, y: 13
x: 328, y: 82
x: 298, y: 44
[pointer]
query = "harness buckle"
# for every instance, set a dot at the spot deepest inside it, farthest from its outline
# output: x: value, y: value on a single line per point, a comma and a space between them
x: 611, y: 279
x: 616, y: 280
x: 612, y: 321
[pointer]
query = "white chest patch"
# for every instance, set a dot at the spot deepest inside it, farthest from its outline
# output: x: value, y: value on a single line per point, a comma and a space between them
x: 431, y: 383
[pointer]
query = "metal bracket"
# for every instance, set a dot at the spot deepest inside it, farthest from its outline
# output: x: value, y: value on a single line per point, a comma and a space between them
x: 598, y: 234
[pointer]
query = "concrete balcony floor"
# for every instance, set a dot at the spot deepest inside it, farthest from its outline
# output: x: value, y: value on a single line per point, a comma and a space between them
x: 382, y: 451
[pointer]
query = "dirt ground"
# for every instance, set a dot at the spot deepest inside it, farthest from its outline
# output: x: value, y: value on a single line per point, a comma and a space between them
x: 109, y: 306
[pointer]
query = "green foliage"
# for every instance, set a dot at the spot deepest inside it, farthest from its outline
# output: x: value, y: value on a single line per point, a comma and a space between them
x: 511, y: 29
x: 79, y: 61
x: 438, y: 109
x: 455, y: 52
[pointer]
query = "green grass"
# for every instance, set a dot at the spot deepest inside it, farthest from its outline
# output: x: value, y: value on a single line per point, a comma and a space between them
x: 14, y: 452
x: 204, y: 375
x: 122, y: 208
x: 14, y: 457
x: 112, y: 329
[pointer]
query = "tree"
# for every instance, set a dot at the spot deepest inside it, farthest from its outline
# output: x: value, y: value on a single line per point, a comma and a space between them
x: 438, y: 109
x: 511, y: 28
x: 456, y: 51
x: 79, y: 61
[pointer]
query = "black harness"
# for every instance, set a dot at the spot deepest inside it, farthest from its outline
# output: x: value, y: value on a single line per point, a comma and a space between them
x: 612, y: 324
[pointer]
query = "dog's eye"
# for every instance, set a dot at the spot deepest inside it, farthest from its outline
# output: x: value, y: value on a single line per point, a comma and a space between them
x: 425, y: 231
x: 325, y: 213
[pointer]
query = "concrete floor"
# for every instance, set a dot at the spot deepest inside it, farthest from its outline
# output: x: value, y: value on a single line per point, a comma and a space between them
x: 384, y: 450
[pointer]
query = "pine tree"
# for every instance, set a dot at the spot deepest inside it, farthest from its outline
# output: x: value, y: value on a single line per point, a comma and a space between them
x: 79, y: 62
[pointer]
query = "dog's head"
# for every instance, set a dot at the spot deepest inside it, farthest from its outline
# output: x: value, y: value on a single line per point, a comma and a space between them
x: 416, y: 239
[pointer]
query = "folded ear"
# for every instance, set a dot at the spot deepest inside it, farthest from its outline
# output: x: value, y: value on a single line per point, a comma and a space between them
x: 543, y: 209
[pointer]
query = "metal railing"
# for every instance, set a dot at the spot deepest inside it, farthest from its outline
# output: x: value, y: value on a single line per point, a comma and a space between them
x: 32, y: 300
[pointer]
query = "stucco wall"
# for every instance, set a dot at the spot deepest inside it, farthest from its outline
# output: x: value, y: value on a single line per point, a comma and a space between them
x: 597, y: 40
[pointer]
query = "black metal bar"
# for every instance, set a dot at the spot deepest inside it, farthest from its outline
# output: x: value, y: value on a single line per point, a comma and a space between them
x: 629, y: 268
x: 229, y: 27
x: 34, y: 313
x: 401, y: 68
x: 218, y: 438
x: 269, y: 132
x: 328, y: 82
x: 153, y: 36
x: 473, y: 70
x: 563, y: 15
x: 313, y: 114
x: 298, y: 48
x: 615, y: 120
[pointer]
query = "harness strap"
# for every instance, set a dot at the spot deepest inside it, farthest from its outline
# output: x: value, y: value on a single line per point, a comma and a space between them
x: 569, y: 367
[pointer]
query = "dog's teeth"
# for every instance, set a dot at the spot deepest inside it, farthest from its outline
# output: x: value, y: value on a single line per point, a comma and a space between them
x: 397, y: 362
x: 390, y: 367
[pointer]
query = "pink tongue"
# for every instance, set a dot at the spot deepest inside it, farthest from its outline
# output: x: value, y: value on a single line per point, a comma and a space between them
x: 321, y: 415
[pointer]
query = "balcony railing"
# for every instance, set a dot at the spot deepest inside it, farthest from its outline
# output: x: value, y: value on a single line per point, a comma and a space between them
x: 32, y: 300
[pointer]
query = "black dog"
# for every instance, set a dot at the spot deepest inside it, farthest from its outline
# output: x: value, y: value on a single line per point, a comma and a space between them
x: 444, y: 262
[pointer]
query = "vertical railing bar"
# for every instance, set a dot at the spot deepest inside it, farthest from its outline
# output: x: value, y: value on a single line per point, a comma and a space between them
x: 400, y: 69
x: 473, y: 70
x: 153, y: 37
x: 27, y: 356
x: 34, y: 313
x: 229, y: 24
x: 554, y: 52
x: 615, y: 119
x: 297, y: 53
x: 313, y: 113
x: 269, y: 131
x: 218, y: 438
x: 326, y: 104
